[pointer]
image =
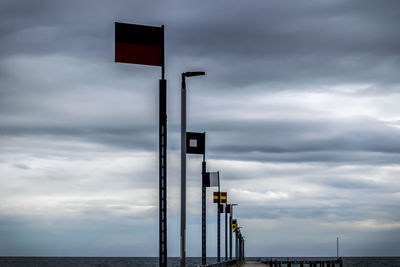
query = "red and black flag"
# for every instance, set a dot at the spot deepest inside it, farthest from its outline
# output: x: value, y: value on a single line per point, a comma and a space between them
x: 228, y: 208
x: 139, y: 44
x: 195, y: 143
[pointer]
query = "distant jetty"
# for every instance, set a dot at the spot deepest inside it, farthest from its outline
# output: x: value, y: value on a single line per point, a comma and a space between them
x: 304, y: 262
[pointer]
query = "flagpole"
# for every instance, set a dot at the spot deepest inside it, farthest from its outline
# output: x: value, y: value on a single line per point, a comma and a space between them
x: 230, y: 230
x: 230, y: 234
x: 183, y: 171
x: 163, y: 161
x: 236, y: 244
x: 219, y: 224
x: 243, y: 250
x: 151, y: 39
x: 203, y: 211
x: 226, y: 234
x: 163, y: 55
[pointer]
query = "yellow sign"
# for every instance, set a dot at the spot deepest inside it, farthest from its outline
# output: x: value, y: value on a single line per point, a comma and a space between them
x: 234, y: 224
x: 222, y: 197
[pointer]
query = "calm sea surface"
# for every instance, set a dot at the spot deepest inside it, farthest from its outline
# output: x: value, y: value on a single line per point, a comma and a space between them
x: 172, y: 262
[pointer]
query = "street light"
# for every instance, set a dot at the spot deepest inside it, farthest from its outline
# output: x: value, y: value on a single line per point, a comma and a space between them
x: 193, y: 73
x: 183, y: 162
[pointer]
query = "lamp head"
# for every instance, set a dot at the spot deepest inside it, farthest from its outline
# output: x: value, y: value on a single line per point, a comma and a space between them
x: 193, y: 73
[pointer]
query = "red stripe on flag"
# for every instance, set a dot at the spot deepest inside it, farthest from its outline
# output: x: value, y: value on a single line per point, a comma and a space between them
x: 228, y: 208
x: 138, y: 54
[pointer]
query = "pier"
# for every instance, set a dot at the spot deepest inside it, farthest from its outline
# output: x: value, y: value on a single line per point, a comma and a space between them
x: 304, y: 262
x: 280, y: 263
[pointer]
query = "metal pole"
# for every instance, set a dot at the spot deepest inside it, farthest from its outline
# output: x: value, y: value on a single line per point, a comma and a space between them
x: 226, y: 234
x: 236, y: 245
x: 162, y: 148
x: 240, y: 249
x: 219, y: 225
x: 183, y: 172
x: 203, y: 215
x: 230, y: 233
x: 337, y: 247
x: 163, y: 176
x: 242, y: 243
x: 243, y: 250
x: 183, y: 163
x: 230, y: 230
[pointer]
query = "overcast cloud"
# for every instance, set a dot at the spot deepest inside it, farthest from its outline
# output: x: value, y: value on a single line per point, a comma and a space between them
x: 300, y: 104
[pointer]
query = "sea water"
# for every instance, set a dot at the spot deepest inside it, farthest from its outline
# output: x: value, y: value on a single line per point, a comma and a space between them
x: 172, y: 262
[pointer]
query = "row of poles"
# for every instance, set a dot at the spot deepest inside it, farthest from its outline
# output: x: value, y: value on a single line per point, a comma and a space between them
x: 141, y: 44
x: 194, y: 143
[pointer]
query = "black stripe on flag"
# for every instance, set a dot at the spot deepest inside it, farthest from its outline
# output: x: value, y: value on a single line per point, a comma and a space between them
x: 221, y: 208
x: 210, y: 179
x: 195, y: 143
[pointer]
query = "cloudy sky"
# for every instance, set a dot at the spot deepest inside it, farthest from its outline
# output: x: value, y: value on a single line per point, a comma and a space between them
x: 300, y: 104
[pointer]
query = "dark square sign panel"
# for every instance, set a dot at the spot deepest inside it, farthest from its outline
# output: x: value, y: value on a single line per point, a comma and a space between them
x: 195, y: 143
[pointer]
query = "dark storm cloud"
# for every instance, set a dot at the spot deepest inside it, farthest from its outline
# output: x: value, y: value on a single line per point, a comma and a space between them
x: 316, y: 43
x: 75, y: 28
x: 327, y: 43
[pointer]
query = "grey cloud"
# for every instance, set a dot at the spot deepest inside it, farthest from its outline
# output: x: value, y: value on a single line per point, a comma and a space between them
x: 319, y: 44
x: 22, y: 166
x: 136, y: 137
x: 316, y: 140
x: 351, y: 209
x: 289, y: 141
